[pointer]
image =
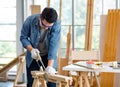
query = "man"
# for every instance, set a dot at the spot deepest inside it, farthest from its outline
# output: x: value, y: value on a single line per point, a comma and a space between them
x: 40, y: 34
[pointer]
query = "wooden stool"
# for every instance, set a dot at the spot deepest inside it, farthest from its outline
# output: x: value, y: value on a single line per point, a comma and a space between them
x: 41, y: 77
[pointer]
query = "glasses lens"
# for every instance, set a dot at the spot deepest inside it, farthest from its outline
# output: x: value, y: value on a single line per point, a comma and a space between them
x: 45, y: 25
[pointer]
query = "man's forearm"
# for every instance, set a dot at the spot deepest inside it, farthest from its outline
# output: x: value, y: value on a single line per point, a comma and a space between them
x: 50, y: 62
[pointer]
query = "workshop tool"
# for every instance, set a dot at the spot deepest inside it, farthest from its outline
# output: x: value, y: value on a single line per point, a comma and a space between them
x: 39, y: 58
x: 42, y: 68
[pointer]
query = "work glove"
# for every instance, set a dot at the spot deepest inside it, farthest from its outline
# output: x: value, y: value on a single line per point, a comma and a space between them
x: 35, y: 53
x: 50, y: 70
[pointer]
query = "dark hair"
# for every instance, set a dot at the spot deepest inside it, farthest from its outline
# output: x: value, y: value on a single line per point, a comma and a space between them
x: 49, y: 14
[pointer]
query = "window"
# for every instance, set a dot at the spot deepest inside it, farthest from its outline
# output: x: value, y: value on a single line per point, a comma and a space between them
x: 74, y: 15
x: 7, y: 30
x: 79, y: 23
x: 100, y: 7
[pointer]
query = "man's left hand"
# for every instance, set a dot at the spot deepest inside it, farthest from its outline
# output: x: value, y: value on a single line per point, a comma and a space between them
x: 50, y: 70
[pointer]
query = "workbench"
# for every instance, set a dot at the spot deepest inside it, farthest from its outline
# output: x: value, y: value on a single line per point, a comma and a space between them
x: 83, y: 69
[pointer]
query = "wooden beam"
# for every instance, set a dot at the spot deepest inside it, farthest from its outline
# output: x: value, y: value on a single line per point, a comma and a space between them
x: 19, y: 71
x: 11, y: 64
x: 89, y: 25
x: 110, y: 45
x: 64, y: 61
x: 60, y: 13
x: 48, y: 4
x: 68, y: 43
x: 35, y: 9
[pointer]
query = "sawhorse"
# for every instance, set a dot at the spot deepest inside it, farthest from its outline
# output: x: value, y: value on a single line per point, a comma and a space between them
x: 41, y: 77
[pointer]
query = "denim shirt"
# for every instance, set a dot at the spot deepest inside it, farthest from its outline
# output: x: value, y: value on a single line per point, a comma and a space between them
x: 30, y: 35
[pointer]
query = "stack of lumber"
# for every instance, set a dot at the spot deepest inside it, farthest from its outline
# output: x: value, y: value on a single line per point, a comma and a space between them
x: 110, y: 45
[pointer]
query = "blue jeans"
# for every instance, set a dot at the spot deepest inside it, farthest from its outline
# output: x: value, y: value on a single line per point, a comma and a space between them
x: 35, y: 66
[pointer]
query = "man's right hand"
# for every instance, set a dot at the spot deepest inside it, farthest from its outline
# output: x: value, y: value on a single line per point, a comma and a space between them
x: 34, y: 53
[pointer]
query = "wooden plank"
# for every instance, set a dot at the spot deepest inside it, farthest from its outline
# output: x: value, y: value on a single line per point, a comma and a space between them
x: 18, y: 74
x: 55, y: 77
x: 106, y: 58
x: 19, y: 71
x: 48, y: 4
x: 108, y: 41
x: 35, y: 9
x: 11, y: 64
x: 8, y: 66
x: 64, y: 61
x: 58, y: 79
x: 89, y: 25
x: 106, y: 35
x: 111, y: 45
x: 60, y: 13
x: 113, y: 30
x: 116, y: 34
x: 68, y: 44
x: 21, y: 85
x: 59, y: 49
x: 4, y: 77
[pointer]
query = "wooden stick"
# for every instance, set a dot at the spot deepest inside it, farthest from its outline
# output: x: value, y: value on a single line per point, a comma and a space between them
x: 59, y: 49
x: 89, y: 23
x: 18, y: 74
x: 68, y: 43
x: 48, y: 4
x: 19, y: 71
x: 60, y: 13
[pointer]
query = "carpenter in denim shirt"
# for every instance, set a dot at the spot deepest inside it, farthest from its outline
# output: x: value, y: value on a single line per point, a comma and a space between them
x: 30, y: 35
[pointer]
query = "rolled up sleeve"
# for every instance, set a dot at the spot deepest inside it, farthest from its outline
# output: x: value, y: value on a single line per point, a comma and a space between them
x: 54, y: 41
x: 25, y: 33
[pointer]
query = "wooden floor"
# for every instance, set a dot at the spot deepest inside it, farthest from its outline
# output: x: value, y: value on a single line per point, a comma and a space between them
x: 6, y: 84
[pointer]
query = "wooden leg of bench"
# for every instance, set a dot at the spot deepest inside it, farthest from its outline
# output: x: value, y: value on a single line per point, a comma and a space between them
x: 81, y: 81
x: 58, y: 84
x: 43, y: 82
x: 67, y: 85
x: 35, y: 82
x: 75, y: 79
x: 86, y: 79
